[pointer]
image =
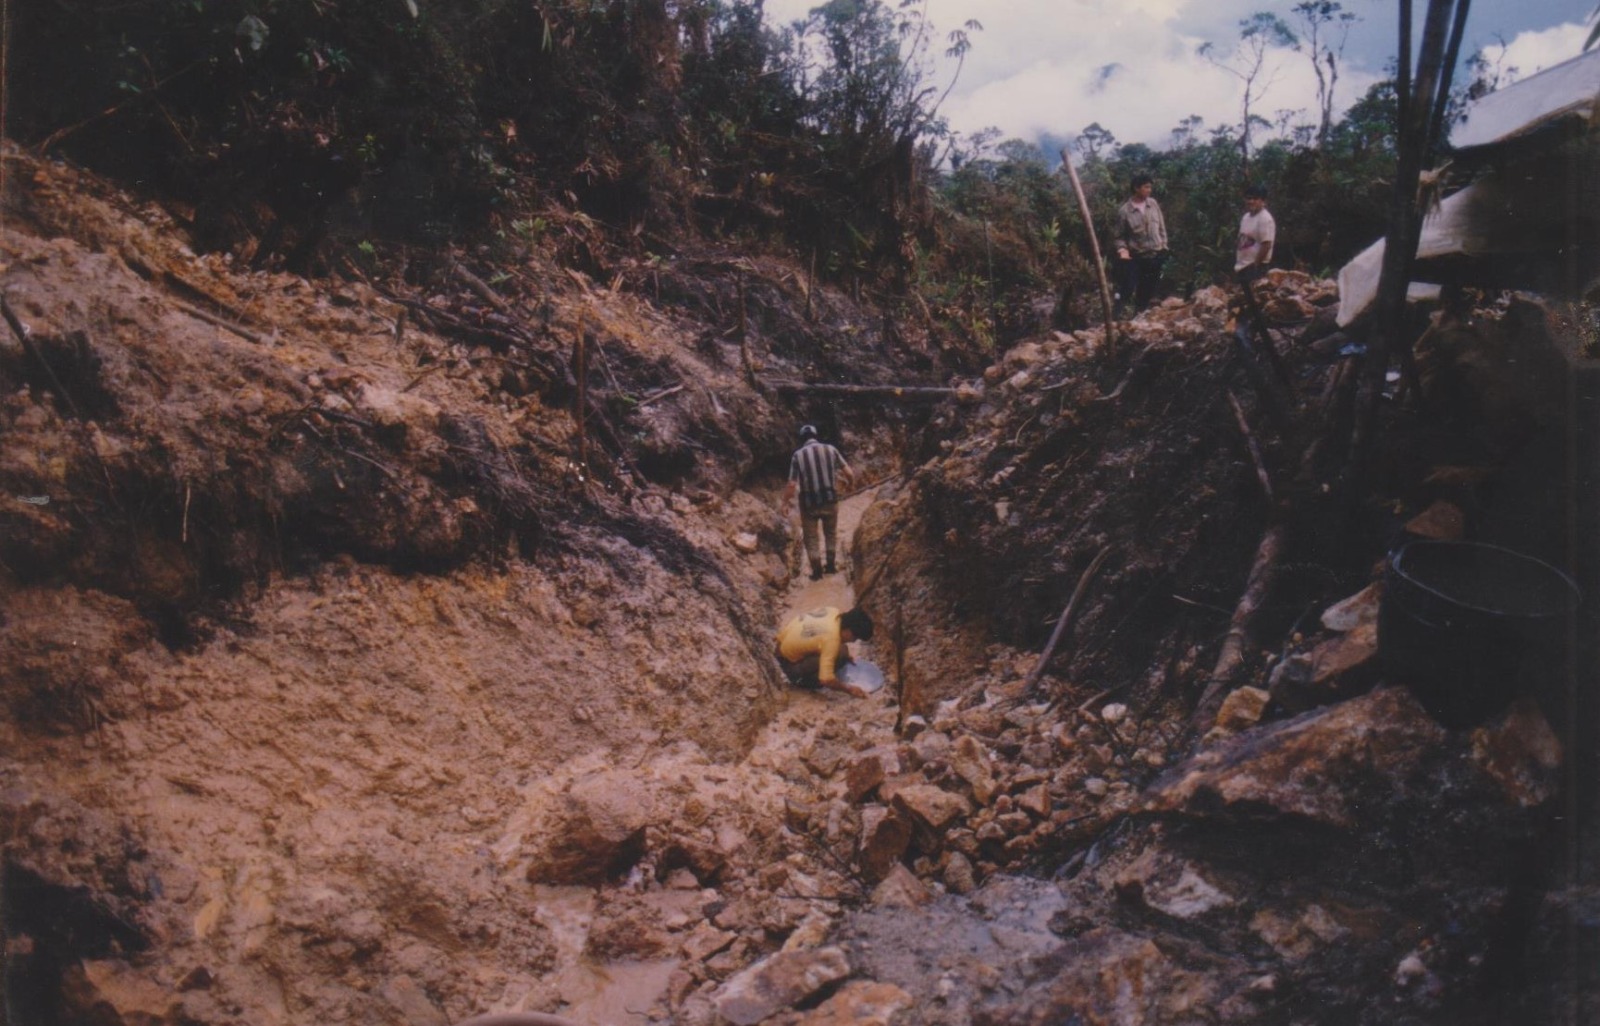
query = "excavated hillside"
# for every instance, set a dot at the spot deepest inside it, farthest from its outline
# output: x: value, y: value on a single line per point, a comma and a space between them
x: 350, y: 676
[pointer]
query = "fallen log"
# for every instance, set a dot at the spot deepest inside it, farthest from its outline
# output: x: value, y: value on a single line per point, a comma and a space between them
x: 1231, y: 656
x: 910, y: 393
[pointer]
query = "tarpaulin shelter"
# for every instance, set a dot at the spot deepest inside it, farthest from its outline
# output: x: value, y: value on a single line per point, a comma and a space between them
x: 1530, y: 217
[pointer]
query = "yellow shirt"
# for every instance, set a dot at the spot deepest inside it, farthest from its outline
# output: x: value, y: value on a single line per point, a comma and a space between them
x: 814, y: 633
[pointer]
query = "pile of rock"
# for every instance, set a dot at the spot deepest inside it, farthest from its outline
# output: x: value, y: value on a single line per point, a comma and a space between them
x: 979, y: 789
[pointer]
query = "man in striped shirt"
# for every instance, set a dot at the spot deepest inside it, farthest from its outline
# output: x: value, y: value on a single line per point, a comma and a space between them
x: 815, y: 471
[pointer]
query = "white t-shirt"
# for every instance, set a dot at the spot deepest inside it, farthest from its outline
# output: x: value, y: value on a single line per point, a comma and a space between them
x: 1254, y: 229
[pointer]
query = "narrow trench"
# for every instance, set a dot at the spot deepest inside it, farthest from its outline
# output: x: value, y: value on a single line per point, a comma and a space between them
x: 620, y: 992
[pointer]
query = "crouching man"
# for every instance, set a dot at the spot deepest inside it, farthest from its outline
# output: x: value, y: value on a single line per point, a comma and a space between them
x: 813, y: 645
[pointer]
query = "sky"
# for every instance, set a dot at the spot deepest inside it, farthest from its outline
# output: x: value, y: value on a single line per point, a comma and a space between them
x: 1044, y: 69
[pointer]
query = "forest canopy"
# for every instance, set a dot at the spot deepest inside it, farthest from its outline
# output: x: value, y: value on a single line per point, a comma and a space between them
x: 308, y: 132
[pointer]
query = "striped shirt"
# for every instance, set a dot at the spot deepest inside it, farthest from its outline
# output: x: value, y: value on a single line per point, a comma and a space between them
x: 814, y: 467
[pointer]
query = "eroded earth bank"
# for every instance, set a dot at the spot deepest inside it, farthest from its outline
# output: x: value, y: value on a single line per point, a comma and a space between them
x: 349, y: 677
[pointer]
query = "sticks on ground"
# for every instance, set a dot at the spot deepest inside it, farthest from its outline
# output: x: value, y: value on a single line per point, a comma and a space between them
x: 1255, y: 448
x: 482, y: 288
x: 909, y: 393
x: 220, y: 322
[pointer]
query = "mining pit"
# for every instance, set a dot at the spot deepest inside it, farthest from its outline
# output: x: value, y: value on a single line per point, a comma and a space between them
x: 402, y: 655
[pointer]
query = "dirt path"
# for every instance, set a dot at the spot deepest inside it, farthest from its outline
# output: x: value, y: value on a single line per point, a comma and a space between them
x: 834, y: 589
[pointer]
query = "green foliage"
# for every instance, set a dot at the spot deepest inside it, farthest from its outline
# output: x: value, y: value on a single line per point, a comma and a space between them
x: 385, y: 123
x: 1330, y: 202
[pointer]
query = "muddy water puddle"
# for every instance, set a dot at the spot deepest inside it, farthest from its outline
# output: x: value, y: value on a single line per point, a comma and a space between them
x: 617, y: 993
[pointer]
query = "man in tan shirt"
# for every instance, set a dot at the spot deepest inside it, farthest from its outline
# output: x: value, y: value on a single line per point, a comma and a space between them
x: 1141, y: 243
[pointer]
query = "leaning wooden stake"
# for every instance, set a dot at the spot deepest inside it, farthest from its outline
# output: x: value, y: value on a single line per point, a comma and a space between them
x: 581, y: 369
x: 811, y: 283
x: 1094, y: 246
x: 1231, y: 657
x: 26, y: 338
x: 1065, y: 618
x: 744, y: 336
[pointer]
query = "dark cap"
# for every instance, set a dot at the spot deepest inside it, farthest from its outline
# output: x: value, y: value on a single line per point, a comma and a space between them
x: 807, y: 431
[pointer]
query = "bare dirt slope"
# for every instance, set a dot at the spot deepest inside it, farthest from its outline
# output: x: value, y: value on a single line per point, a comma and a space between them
x: 303, y: 612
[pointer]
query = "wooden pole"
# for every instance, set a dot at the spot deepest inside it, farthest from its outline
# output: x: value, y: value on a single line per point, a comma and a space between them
x: 1419, y: 94
x: 1094, y: 246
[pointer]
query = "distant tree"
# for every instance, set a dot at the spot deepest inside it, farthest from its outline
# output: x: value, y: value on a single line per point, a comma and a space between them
x: 1247, y: 61
x: 1096, y: 142
x: 1325, y: 26
x: 1185, y: 131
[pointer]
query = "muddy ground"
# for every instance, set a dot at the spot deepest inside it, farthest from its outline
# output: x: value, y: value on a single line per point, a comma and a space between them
x: 350, y: 676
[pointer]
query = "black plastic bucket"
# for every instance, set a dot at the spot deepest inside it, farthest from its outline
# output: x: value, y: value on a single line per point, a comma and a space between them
x: 1464, y: 625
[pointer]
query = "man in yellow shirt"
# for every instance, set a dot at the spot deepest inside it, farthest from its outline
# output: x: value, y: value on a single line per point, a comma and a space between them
x: 812, y: 644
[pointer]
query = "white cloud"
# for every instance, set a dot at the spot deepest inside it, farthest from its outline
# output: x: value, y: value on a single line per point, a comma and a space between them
x: 1036, y: 68
x: 1145, y: 98
x: 1530, y: 52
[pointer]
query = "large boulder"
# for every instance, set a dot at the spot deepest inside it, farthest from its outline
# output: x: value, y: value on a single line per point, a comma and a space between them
x: 780, y: 981
x: 597, y: 831
x: 1327, y: 766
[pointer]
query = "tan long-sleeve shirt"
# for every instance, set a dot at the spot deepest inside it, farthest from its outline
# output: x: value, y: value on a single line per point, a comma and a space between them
x: 1140, y: 227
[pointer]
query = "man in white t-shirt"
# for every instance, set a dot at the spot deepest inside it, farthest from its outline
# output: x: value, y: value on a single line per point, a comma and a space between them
x: 1257, y: 232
